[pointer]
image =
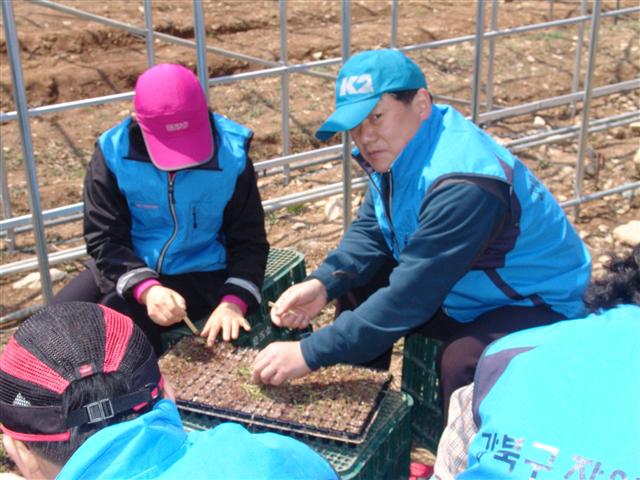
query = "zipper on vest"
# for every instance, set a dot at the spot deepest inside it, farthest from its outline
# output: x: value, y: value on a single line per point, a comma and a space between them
x: 195, y: 219
x: 172, y: 209
x: 387, y: 202
x: 394, y: 240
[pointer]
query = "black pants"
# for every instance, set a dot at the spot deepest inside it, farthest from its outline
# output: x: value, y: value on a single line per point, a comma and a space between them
x: 200, y: 291
x: 463, y: 343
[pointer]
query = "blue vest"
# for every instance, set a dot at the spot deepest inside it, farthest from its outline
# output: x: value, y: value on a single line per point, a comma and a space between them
x: 560, y: 400
x: 538, y: 258
x: 155, y: 446
x: 178, y: 235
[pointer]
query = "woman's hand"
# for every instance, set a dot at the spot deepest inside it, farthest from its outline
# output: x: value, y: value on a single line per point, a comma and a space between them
x: 227, y: 317
x: 164, y: 306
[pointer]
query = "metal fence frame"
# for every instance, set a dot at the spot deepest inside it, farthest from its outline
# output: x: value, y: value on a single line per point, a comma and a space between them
x: 38, y: 220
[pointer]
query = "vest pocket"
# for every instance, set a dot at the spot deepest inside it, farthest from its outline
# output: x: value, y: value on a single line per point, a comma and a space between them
x: 146, y: 213
x: 203, y: 224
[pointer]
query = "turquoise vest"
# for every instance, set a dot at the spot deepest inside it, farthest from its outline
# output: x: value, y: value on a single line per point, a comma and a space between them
x: 560, y: 401
x: 180, y: 236
x: 155, y: 446
x: 538, y: 259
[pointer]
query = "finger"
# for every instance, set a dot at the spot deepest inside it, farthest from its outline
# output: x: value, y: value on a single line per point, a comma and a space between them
x: 177, y: 311
x: 235, y: 329
x: 284, y: 303
x: 159, y: 317
x: 267, y: 374
x: 297, y: 323
x: 245, y: 324
x: 213, y: 334
x: 302, y: 322
x: 205, y: 330
x: 293, y: 318
x: 277, y: 379
x: 164, y: 313
x: 276, y: 318
x: 261, y: 362
x: 226, y: 329
x: 180, y: 301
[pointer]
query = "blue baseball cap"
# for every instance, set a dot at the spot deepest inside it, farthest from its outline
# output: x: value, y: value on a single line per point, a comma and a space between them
x: 362, y: 81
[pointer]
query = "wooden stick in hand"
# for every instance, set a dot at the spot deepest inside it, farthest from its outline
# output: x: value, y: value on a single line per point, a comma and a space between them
x: 191, y: 326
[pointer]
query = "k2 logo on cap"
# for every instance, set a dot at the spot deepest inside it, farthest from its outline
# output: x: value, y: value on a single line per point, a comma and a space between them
x: 356, y: 84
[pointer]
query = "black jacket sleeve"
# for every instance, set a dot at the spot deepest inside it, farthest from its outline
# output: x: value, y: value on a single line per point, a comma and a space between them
x: 245, y: 240
x: 360, y: 253
x: 456, y: 223
x: 107, y: 227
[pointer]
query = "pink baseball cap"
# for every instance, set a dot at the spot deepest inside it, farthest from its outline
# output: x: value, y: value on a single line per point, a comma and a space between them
x: 172, y: 111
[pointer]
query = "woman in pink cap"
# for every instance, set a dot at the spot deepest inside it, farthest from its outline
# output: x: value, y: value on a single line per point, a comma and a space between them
x: 173, y: 219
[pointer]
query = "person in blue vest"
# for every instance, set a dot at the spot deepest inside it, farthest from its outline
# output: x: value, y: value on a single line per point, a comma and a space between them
x: 82, y: 397
x: 456, y: 238
x: 557, y: 401
x: 173, y: 220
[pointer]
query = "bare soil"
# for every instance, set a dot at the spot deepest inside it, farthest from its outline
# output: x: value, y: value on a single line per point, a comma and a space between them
x: 65, y: 58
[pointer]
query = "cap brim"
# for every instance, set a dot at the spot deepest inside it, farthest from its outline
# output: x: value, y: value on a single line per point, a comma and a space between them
x: 346, y: 117
x: 179, y: 151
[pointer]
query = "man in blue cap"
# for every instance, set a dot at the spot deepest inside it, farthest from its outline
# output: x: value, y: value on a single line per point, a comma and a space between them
x: 456, y: 238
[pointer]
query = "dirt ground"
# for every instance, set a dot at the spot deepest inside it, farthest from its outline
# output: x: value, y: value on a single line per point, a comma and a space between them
x: 65, y: 58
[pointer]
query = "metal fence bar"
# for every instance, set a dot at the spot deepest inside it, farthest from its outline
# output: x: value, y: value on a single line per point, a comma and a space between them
x: 141, y: 32
x: 6, y: 202
x: 492, y: 54
x: 148, y: 26
x: 284, y: 86
x: 275, y: 162
x: 586, y: 102
x: 53, y: 259
x: 6, y: 117
x: 201, y: 45
x: 603, y: 193
x: 22, y: 220
x: 516, y: 30
x: 299, y: 68
x: 393, y: 43
x: 20, y: 99
x: 51, y: 223
x: 561, y: 134
x: 557, y: 101
x: 346, y: 140
x: 576, y: 66
x: 74, y: 212
x: 477, y: 62
x: 168, y: 38
x: 358, y: 183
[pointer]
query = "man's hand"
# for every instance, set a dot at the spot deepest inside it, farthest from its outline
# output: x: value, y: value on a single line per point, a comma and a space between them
x: 164, y: 306
x: 299, y: 304
x: 279, y: 362
x: 228, y: 318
